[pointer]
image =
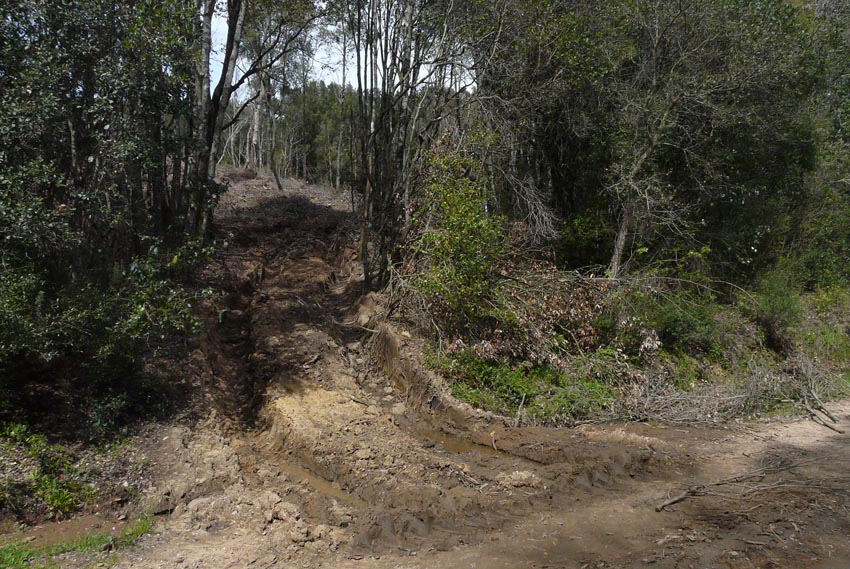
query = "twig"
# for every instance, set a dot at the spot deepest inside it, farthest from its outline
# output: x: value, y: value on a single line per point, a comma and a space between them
x: 519, y: 411
x: 689, y: 493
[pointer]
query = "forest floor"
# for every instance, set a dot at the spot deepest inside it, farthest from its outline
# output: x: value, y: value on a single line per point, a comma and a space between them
x: 303, y: 454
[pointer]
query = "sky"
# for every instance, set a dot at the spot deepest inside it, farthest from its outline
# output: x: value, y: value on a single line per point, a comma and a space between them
x: 327, y: 61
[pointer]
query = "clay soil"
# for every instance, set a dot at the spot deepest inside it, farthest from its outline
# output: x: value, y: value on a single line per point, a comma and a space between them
x: 306, y: 454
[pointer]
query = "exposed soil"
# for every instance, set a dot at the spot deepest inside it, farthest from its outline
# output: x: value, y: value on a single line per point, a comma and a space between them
x: 320, y: 447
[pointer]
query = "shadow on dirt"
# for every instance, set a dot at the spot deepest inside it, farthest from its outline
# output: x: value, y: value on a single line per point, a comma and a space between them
x: 287, y: 268
x: 791, y: 492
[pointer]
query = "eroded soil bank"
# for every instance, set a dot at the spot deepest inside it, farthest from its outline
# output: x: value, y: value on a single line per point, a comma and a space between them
x: 314, y: 450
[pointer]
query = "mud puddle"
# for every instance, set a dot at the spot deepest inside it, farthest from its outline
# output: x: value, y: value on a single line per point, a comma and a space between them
x: 458, y: 445
x: 298, y: 474
x: 63, y: 531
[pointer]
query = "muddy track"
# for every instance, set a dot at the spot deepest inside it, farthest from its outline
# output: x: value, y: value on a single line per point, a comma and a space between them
x: 310, y: 455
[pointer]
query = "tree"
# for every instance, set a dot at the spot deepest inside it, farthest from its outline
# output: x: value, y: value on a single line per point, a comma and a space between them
x: 275, y: 28
x: 707, y: 105
x: 94, y: 111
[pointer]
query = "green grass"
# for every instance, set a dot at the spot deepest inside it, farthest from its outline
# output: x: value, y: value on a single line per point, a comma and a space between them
x: 545, y: 393
x: 828, y: 342
x: 20, y: 556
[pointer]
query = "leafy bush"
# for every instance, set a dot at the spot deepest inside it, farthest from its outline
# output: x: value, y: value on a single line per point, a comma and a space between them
x: 676, y: 316
x: 684, y: 319
x: 97, y: 331
x: 686, y: 373
x: 459, y: 243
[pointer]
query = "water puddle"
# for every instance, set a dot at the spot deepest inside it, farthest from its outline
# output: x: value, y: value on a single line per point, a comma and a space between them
x: 320, y: 484
x: 51, y: 533
x: 461, y: 446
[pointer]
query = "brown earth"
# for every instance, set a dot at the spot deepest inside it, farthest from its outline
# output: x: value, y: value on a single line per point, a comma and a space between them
x: 323, y: 444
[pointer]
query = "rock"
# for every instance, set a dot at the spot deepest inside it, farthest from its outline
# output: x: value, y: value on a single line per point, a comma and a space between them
x: 519, y: 479
x: 363, y: 454
x: 286, y: 511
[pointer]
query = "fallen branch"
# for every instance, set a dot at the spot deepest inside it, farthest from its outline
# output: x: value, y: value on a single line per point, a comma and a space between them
x: 702, y: 489
x: 813, y: 415
x: 698, y: 490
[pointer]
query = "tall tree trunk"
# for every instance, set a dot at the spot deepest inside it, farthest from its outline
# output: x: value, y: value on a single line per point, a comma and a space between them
x: 217, y: 104
x: 620, y: 242
x: 341, y: 110
x: 255, y: 160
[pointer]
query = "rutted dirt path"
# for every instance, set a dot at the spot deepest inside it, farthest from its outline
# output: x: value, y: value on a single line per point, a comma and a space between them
x: 311, y: 457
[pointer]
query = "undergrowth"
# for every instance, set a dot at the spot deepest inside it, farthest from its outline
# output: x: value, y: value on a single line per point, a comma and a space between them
x: 652, y: 349
x: 23, y: 555
x: 521, y: 337
x: 540, y: 393
x: 55, y: 486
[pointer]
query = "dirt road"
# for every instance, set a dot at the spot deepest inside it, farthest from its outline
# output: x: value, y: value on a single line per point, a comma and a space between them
x: 310, y: 457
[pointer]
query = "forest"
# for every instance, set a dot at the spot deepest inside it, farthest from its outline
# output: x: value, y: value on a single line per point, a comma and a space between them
x: 694, y: 157
x: 589, y: 210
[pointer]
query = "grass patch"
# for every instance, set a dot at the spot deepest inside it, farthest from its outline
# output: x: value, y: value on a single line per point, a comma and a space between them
x: 20, y: 556
x: 546, y: 394
x: 828, y: 343
x: 55, y: 486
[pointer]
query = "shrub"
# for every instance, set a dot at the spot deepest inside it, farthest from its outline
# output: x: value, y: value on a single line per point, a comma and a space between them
x: 87, y: 333
x: 775, y: 305
x: 676, y: 316
x: 459, y: 243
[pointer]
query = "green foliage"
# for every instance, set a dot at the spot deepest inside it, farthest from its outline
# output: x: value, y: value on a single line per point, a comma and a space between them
x: 61, y: 497
x: 777, y: 301
x: 686, y: 372
x: 825, y: 332
x: 93, y: 106
x: 822, y: 246
x: 683, y: 316
x: 828, y: 343
x: 775, y: 305
x: 102, y: 329
x: 56, y: 485
x: 546, y: 394
x: 834, y: 299
x: 460, y: 243
x: 684, y: 319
